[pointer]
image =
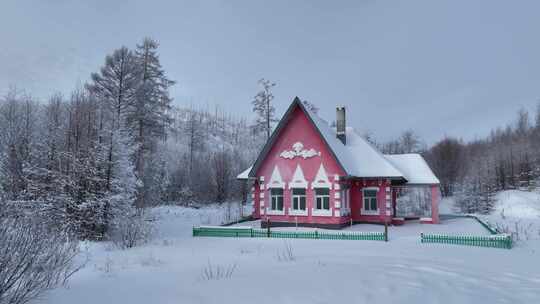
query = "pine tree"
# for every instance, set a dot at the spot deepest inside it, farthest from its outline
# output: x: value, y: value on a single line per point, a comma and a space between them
x: 149, y: 116
x: 116, y: 86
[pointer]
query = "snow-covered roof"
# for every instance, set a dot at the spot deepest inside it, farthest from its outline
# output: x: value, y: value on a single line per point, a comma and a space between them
x: 244, y: 174
x: 358, y: 158
x: 414, y: 168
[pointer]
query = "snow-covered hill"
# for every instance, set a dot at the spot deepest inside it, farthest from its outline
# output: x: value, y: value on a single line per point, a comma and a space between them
x: 517, y: 212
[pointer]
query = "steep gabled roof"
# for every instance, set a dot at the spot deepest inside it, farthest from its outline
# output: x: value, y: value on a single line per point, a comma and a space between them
x: 282, y: 123
x: 358, y: 158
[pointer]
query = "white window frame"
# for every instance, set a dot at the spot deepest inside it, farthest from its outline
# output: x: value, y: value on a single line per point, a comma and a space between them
x: 370, y: 212
x: 321, y: 212
x: 271, y: 210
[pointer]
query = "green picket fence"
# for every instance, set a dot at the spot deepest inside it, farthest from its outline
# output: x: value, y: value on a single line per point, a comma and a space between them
x: 495, y: 241
x: 251, y: 232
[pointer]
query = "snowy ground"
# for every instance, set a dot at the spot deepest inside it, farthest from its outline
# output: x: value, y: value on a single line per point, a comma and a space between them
x: 322, y: 271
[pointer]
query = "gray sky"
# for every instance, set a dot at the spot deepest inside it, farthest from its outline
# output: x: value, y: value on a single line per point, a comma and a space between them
x: 439, y: 67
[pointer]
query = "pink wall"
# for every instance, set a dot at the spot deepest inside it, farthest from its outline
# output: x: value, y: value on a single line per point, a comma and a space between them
x: 357, y: 200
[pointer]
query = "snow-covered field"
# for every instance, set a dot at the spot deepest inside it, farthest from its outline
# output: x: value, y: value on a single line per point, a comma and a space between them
x: 172, y: 269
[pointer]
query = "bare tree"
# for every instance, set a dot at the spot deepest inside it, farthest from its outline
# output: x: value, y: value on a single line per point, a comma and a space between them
x: 262, y: 106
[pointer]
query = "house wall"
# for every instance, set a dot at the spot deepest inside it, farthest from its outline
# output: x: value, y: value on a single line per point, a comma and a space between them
x: 299, y: 129
x: 384, y: 201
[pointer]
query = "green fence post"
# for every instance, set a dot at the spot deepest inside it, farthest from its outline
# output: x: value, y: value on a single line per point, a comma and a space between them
x: 386, y: 231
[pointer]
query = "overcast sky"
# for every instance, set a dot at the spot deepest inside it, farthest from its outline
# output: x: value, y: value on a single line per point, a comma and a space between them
x: 454, y: 68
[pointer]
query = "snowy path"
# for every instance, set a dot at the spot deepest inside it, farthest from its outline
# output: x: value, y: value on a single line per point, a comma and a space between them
x: 324, y: 271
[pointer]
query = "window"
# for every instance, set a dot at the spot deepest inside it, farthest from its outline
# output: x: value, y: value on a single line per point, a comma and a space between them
x: 299, y: 199
x: 322, y: 199
x: 370, y: 201
x: 276, y: 197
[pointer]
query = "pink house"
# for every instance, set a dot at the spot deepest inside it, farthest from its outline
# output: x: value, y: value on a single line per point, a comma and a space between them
x: 309, y: 174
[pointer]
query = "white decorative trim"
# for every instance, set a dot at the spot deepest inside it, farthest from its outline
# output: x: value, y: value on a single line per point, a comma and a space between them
x: 299, y: 151
x: 337, y: 195
x: 261, y: 178
x: 321, y: 179
x: 321, y: 212
x: 365, y: 212
x: 298, y: 179
x: 337, y: 187
x: 275, y: 212
x: 262, y: 210
x: 387, y: 189
x: 337, y: 204
x: 371, y: 188
x: 261, y: 187
x: 261, y: 195
x: 388, y: 197
x: 337, y: 213
x: 275, y: 180
x: 262, y: 203
x: 388, y: 205
x: 388, y: 212
x: 298, y: 212
x: 336, y: 177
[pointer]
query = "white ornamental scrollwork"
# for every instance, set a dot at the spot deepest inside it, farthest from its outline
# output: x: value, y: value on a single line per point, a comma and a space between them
x: 299, y: 151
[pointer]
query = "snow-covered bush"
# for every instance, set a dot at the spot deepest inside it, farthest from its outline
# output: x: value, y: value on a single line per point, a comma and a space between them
x: 131, y: 231
x: 33, y: 259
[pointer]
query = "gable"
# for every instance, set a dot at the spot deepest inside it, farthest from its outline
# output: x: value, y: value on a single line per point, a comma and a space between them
x: 297, y: 150
x: 296, y: 128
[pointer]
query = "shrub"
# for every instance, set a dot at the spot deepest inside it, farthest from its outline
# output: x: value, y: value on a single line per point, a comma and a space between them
x: 131, y: 231
x: 33, y: 259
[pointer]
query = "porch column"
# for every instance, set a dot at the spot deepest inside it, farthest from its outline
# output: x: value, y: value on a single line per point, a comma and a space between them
x: 435, y: 204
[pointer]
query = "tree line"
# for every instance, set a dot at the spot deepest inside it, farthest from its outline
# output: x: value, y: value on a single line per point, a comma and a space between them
x: 472, y: 172
x: 117, y: 145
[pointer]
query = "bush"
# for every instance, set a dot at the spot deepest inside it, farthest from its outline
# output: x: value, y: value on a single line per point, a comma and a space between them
x: 131, y: 231
x: 33, y: 259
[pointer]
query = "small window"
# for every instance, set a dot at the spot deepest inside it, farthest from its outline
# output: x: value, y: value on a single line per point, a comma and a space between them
x: 299, y: 199
x: 322, y: 198
x: 276, y: 197
x: 370, y: 200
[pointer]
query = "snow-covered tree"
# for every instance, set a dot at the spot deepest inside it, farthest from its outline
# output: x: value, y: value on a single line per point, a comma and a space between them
x: 148, y: 116
x: 263, y: 107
